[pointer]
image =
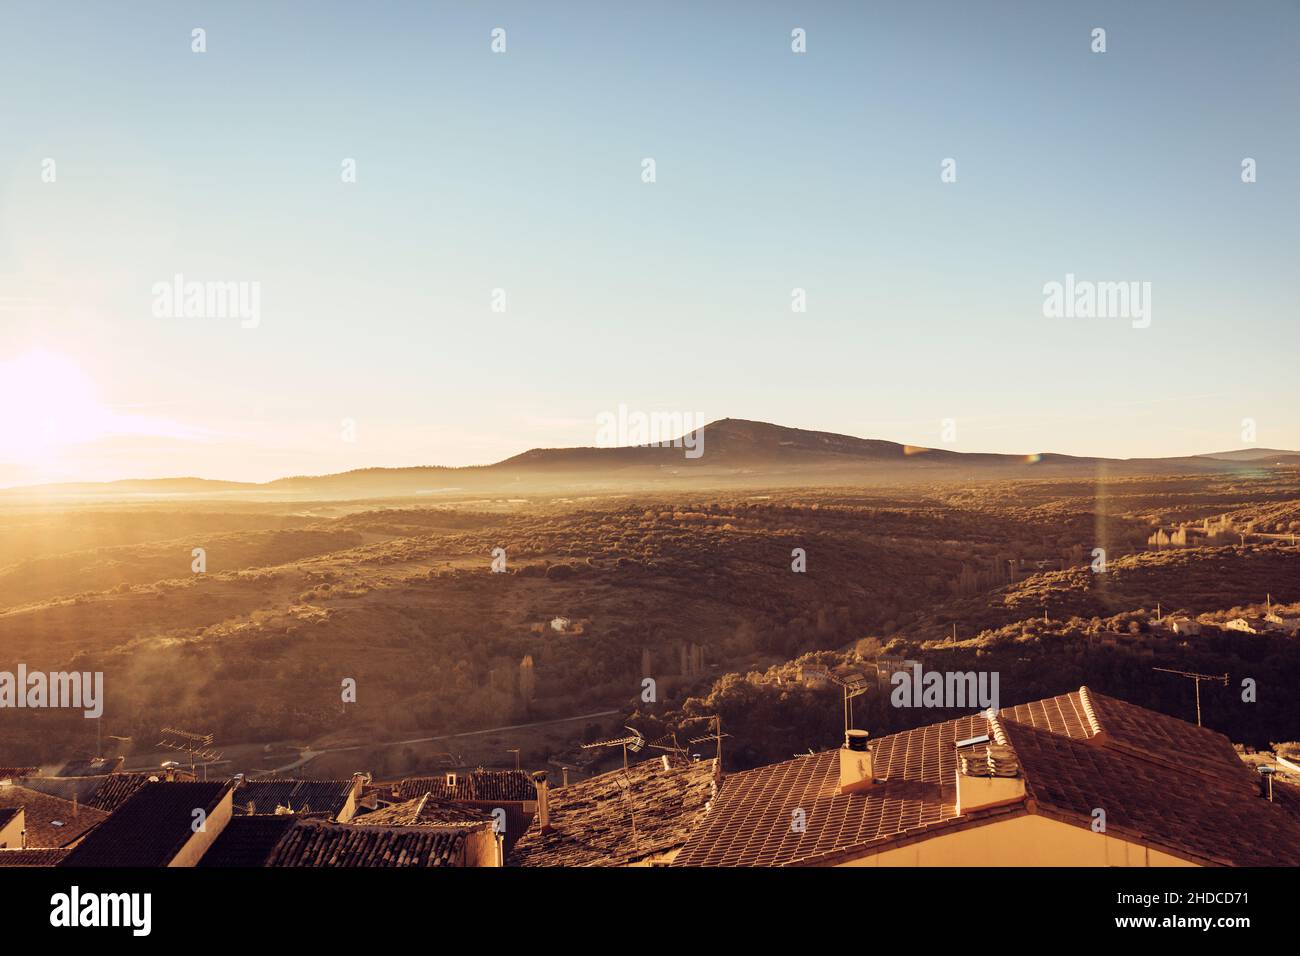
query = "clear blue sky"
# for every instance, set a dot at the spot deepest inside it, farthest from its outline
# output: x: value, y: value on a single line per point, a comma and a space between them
x: 522, y: 171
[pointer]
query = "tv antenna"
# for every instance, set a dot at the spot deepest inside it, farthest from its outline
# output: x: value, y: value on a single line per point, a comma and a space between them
x: 716, y: 721
x: 624, y: 783
x: 195, y: 745
x: 633, y: 743
x: 855, y: 684
x: 1219, y: 678
x: 674, y: 747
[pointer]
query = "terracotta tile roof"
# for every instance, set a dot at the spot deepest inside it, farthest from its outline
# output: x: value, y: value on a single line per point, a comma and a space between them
x: 425, y: 811
x: 9, y: 773
x: 44, y: 812
x: 1165, y: 740
x: 1216, y: 817
x: 313, y: 843
x: 41, y: 857
x: 301, y: 796
x: 477, y: 785
x: 592, y: 820
x: 247, y: 841
x: 149, y: 828
x: 115, y: 789
x: 1162, y: 782
x: 751, y: 822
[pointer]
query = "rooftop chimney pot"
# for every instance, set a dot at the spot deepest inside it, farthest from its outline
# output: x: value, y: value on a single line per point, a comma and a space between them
x: 543, y: 801
x: 855, y: 762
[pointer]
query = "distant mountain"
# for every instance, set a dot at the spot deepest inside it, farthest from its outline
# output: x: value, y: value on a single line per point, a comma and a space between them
x: 1253, y: 454
x: 144, y: 487
x: 733, y: 453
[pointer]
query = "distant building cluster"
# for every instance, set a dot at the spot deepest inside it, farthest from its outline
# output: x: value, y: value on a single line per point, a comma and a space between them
x: 983, y: 574
x: 1278, y: 623
x: 1211, y: 533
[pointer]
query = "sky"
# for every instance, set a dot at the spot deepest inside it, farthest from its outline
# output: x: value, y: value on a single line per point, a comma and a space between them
x: 127, y: 158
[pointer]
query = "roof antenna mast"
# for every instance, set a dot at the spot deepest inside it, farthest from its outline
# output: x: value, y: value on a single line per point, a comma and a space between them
x: 1221, y: 678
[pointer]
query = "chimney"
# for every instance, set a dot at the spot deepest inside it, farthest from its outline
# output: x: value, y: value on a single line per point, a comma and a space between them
x: 988, y: 772
x: 855, y: 762
x: 543, y: 801
x: 565, y: 771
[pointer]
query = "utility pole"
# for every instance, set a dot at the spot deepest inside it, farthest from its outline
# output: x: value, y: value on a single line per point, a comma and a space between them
x: 1197, y: 678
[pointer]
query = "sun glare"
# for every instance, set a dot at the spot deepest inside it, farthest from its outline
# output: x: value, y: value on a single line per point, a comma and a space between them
x: 48, y: 403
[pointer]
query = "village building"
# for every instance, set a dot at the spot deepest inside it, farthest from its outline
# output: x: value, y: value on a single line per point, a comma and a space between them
x: 1183, y: 626
x: 640, y: 816
x: 422, y: 834
x: 315, y: 843
x: 13, y: 826
x: 101, y: 791
x: 1287, y: 623
x: 335, y: 800
x: 814, y: 675
x: 116, y: 788
x: 1076, y: 780
x: 161, y: 824
x: 887, y: 667
x: 511, y: 791
x: 49, y: 822
x: 248, y: 841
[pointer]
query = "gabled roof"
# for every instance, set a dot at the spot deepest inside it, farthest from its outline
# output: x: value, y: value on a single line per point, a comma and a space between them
x: 38, y: 857
x: 116, y: 788
x: 247, y: 841
x: 300, y: 796
x: 592, y: 821
x: 150, y: 828
x: 44, y: 812
x: 1163, y: 783
x: 425, y: 811
x: 477, y: 785
x: 313, y: 843
x: 9, y: 773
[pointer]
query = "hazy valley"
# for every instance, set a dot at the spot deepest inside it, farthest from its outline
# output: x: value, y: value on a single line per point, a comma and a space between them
x: 695, y: 589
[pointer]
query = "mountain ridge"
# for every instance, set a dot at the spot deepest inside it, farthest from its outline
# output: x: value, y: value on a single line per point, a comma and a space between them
x: 734, y: 450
